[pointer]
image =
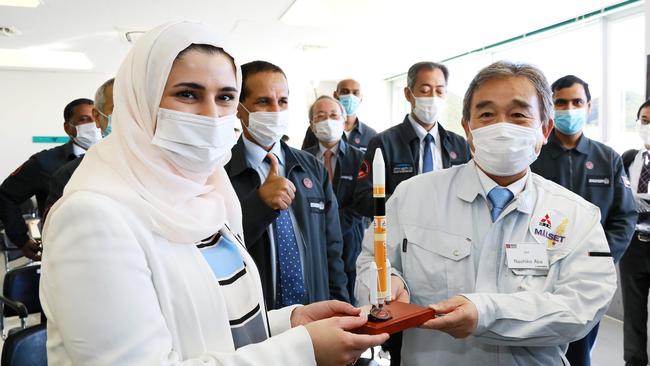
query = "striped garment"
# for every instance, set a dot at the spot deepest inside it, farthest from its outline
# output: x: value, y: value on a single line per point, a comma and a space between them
x: 239, y: 290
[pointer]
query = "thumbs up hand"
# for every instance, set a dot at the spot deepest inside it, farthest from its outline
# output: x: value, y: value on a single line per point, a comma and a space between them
x: 277, y: 191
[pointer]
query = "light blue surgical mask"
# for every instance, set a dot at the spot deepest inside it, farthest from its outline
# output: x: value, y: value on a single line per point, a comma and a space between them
x: 109, y: 126
x: 350, y: 103
x: 570, y: 121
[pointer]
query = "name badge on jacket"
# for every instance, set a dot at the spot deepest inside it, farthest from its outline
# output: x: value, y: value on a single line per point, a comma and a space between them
x: 403, y: 168
x: 527, y: 256
x: 598, y: 181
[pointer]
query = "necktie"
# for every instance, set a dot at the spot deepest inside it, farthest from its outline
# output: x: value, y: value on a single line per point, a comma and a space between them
x: 327, y: 159
x: 644, y: 177
x: 499, y: 197
x: 427, y: 157
x: 291, y: 284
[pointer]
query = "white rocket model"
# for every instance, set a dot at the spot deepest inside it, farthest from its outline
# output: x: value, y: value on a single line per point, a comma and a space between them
x: 379, y: 269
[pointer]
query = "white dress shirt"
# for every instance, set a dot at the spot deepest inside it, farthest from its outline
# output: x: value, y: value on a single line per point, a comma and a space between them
x: 436, y: 146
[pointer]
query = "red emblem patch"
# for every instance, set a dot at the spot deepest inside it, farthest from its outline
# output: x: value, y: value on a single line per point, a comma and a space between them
x: 453, y: 155
x: 364, y: 170
x: 589, y: 165
x: 307, y: 183
x: 357, y: 140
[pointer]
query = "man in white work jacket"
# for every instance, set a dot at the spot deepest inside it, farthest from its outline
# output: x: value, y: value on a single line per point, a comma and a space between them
x: 515, y: 266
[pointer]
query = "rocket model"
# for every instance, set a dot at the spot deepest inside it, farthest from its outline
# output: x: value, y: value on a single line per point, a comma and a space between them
x: 380, y: 268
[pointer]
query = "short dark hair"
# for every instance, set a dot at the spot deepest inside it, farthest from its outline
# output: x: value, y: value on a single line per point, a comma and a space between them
x: 252, y: 68
x: 425, y: 65
x: 68, y: 110
x: 645, y: 104
x: 567, y: 82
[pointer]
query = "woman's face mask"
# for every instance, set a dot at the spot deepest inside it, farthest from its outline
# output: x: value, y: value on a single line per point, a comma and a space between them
x: 195, y: 126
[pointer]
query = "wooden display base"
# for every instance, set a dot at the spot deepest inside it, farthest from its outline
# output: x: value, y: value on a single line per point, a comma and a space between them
x: 404, y: 316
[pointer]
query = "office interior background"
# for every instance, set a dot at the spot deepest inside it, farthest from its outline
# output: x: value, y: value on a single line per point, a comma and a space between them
x: 53, y: 51
x: 59, y: 50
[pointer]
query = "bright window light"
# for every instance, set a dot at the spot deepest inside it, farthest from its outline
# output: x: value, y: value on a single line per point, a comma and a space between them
x: 43, y: 59
x: 21, y: 3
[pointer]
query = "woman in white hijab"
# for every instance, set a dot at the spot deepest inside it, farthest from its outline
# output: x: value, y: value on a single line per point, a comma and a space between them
x: 128, y: 276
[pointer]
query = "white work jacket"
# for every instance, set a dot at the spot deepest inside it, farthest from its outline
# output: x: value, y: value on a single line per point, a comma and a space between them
x: 442, y: 242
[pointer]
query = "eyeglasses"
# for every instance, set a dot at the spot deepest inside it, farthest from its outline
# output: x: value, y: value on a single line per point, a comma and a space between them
x: 323, y: 116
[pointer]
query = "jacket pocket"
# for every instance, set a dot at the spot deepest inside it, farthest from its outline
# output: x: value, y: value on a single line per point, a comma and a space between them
x: 436, y: 264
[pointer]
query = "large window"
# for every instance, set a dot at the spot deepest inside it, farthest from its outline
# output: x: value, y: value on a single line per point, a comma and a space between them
x: 607, y: 52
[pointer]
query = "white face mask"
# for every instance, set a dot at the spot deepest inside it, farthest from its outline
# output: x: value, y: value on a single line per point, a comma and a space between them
x: 329, y: 130
x: 87, y: 135
x: 194, y: 143
x: 505, y: 149
x: 644, y: 132
x: 267, y: 127
x: 429, y: 109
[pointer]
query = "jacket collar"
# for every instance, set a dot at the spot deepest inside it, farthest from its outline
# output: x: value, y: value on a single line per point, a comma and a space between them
x: 238, y: 160
x: 555, y: 147
x: 470, y: 187
x: 407, y: 132
x: 359, y: 126
x: 343, y: 148
x: 68, y: 150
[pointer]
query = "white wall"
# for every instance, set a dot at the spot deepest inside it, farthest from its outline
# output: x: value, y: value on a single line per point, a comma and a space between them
x: 31, y: 104
x: 647, y: 27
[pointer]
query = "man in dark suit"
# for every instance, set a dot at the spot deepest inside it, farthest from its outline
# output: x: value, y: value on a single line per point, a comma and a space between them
x: 290, y: 215
x: 342, y: 161
x: 417, y: 145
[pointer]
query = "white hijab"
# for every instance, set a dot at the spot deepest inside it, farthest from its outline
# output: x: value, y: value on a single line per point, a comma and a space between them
x: 128, y: 168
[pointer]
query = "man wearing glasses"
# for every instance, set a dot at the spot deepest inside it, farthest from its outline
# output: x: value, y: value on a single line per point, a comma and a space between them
x: 342, y: 162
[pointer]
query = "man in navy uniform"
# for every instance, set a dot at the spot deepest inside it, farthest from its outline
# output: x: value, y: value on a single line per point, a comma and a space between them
x: 342, y: 161
x: 102, y: 113
x: 290, y: 214
x: 417, y: 145
x: 592, y: 170
x: 33, y: 176
x: 355, y: 132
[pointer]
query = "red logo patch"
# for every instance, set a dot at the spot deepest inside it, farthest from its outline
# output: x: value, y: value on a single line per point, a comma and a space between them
x: 545, y: 221
x: 364, y: 170
x: 307, y: 183
x: 589, y: 165
x: 357, y: 140
x: 452, y: 155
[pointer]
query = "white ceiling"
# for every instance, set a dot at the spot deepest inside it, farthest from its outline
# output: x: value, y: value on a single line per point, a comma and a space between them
x: 361, y: 38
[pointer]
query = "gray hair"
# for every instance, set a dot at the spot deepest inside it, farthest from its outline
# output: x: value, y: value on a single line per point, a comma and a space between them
x: 504, y: 69
x: 425, y: 65
x: 311, y: 109
x: 100, y: 94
